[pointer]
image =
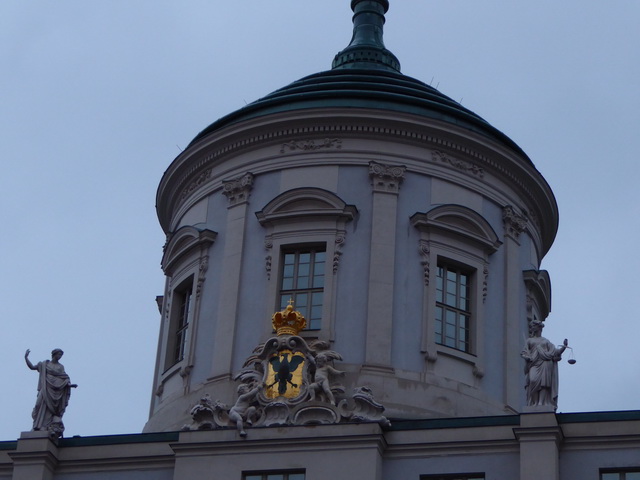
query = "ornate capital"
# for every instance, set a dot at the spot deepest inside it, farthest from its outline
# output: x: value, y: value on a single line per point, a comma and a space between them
x: 238, y: 189
x: 386, y: 178
x: 514, y: 223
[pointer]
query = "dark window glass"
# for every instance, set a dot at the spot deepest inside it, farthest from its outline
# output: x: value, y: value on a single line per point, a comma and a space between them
x: 179, y: 323
x: 303, y: 282
x: 453, y: 307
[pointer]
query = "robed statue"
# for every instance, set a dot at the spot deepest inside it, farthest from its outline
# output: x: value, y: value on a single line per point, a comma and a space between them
x: 54, y: 390
x: 541, y: 369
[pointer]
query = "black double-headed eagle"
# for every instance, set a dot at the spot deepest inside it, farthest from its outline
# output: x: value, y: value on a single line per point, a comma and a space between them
x: 284, y: 368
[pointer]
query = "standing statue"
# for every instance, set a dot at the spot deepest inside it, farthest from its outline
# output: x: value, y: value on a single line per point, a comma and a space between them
x: 54, y: 390
x: 541, y: 369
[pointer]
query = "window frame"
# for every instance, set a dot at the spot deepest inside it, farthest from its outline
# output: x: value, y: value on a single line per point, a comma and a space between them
x: 621, y: 472
x: 455, y: 235
x: 182, y: 298
x: 305, y: 216
x: 185, y: 263
x: 310, y: 290
x: 457, y: 310
x: 264, y: 475
x: 454, y: 476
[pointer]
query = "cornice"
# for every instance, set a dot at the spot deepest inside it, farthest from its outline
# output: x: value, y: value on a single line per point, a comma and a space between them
x: 193, y: 173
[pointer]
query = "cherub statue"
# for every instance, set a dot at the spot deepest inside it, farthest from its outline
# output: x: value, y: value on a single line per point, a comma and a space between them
x: 244, y: 410
x: 54, y: 390
x: 321, y: 379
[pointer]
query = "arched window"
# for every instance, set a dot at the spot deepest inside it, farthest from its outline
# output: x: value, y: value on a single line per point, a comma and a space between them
x: 305, y: 232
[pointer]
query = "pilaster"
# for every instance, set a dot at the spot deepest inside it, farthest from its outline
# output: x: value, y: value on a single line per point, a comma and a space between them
x: 514, y: 225
x: 539, y: 436
x: 385, y: 182
x: 36, y: 457
x: 237, y: 191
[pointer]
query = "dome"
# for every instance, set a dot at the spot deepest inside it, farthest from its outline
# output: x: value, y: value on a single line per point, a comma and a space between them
x: 365, y: 75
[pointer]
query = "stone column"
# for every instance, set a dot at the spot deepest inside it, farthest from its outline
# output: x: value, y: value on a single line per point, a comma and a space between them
x: 237, y: 191
x: 36, y: 457
x: 386, y: 184
x: 539, y: 436
x: 514, y: 225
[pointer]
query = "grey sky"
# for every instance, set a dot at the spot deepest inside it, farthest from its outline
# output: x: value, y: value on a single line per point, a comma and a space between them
x: 99, y: 97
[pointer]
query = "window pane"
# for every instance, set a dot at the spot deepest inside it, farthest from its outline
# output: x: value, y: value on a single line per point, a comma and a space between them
x: 318, y: 281
x: 289, y: 259
x: 287, y: 284
x: 633, y: 476
x: 278, y: 476
x: 320, y: 257
x: 303, y: 282
x: 303, y: 270
x: 305, y: 257
x: 301, y: 301
x: 253, y: 477
x: 610, y: 476
x: 296, y: 476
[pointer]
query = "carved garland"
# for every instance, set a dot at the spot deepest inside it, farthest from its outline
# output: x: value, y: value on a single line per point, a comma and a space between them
x: 307, y: 145
x: 423, y: 249
x: 438, y: 156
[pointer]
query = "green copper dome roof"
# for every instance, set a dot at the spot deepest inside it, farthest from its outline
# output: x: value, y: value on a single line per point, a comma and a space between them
x: 365, y: 75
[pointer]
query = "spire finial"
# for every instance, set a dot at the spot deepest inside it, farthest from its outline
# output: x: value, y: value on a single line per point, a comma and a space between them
x: 366, y: 49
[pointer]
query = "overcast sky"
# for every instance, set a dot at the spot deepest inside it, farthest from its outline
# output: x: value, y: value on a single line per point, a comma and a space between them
x: 98, y: 97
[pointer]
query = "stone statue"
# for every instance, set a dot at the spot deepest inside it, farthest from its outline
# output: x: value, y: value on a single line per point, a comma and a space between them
x: 541, y: 369
x: 244, y: 410
x: 54, y: 390
x: 321, y: 379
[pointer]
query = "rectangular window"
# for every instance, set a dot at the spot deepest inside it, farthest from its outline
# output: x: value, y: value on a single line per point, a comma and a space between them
x: 632, y: 474
x: 287, y: 475
x: 473, y: 476
x: 453, y: 307
x: 302, y: 280
x: 179, y: 322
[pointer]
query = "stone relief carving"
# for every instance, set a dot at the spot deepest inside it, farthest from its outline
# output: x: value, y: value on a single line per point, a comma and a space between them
x: 54, y: 390
x: 287, y: 381
x: 311, y: 144
x: 514, y: 223
x: 386, y: 178
x: 200, y: 180
x: 423, y: 249
x: 268, y: 245
x: 238, y: 189
x: 541, y: 369
x: 485, y: 282
x: 337, y: 253
x: 438, y: 156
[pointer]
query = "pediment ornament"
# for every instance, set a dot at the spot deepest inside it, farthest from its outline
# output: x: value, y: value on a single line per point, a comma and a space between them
x: 289, y: 381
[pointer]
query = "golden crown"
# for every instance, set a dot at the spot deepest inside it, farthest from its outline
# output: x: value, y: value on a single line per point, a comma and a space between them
x: 288, y: 321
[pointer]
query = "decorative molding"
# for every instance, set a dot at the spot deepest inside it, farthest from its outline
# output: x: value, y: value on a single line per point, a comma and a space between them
x: 485, y: 282
x: 386, y: 178
x: 268, y: 245
x: 202, y: 272
x: 424, y: 250
x: 179, y: 184
x: 340, y: 239
x: 200, y: 180
x: 307, y: 145
x: 238, y: 189
x: 467, y: 167
x: 514, y: 223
